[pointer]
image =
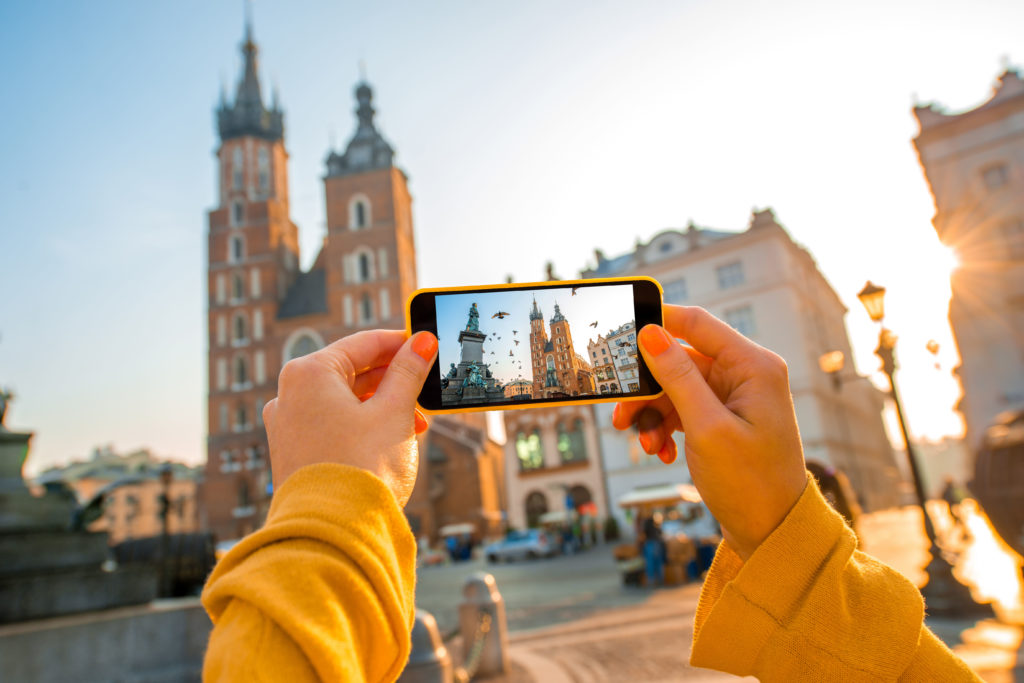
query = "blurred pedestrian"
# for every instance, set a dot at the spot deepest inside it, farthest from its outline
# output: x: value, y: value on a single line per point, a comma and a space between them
x: 654, y: 551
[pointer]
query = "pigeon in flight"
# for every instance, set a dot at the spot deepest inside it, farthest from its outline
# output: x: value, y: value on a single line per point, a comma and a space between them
x: 510, y: 353
x: 516, y: 341
x: 514, y: 331
x: 574, y: 290
x: 500, y: 315
x: 593, y: 324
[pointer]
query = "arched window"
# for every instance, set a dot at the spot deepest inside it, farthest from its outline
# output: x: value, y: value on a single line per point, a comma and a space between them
x: 536, y: 505
x: 302, y: 346
x: 237, y: 287
x: 364, y: 267
x: 359, y: 213
x: 570, y: 441
x: 237, y: 249
x: 240, y: 331
x: 366, y: 308
x: 264, y: 169
x: 241, y: 371
x: 244, y: 496
x: 236, y: 169
x: 529, y: 451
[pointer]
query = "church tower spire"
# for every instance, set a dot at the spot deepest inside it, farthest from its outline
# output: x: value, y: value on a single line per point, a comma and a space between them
x: 247, y: 115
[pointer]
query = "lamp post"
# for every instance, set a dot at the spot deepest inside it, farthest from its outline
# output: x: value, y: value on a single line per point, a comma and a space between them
x: 166, y: 474
x: 943, y: 594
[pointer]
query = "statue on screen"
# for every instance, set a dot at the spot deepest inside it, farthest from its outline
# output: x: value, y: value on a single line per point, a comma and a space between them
x: 474, y: 319
x: 473, y: 379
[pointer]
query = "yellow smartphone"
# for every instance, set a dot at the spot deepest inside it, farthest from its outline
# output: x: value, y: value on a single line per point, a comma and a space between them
x: 536, y: 344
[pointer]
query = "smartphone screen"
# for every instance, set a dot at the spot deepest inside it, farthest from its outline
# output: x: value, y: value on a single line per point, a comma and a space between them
x: 513, y: 346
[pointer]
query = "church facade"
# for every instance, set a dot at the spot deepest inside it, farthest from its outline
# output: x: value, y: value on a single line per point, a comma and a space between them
x: 558, y: 371
x: 263, y: 309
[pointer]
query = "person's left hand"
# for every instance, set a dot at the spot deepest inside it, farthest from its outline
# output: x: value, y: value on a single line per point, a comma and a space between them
x: 353, y: 403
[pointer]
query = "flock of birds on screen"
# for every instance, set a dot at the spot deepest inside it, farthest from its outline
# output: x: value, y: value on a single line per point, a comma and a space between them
x: 501, y: 315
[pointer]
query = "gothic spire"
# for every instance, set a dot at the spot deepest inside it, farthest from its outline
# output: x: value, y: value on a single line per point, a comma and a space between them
x: 367, y: 149
x: 247, y: 115
x: 535, y: 314
x: 557, y: 317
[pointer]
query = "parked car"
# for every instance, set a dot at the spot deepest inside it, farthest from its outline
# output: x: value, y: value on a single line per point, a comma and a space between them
x: 528, y: 544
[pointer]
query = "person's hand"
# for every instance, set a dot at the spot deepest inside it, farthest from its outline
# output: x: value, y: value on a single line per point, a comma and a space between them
x: 731, y: 399
x: 353, y: 403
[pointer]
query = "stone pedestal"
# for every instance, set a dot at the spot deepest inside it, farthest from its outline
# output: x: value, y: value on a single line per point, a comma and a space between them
x: 472, y: 347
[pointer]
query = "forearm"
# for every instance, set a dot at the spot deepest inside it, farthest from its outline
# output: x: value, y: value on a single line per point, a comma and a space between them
x: 324, y: 590
x: 808, y: 605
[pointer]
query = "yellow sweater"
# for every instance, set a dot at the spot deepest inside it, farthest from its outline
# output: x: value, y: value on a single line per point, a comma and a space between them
x: 325, y: 590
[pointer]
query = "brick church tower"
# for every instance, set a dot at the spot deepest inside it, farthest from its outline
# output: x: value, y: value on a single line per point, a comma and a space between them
x: 263, y: 310
x: 557, y: 369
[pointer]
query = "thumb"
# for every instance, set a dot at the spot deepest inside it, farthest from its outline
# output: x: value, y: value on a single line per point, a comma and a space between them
x: 695, y: 403
x: 407, y: 371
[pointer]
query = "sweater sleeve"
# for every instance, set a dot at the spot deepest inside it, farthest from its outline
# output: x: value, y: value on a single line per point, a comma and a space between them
x: 324, y: 591
x: 807, y: 605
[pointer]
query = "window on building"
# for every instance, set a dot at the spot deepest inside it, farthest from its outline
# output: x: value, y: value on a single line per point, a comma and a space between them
x: 240, y: 332
x: 241, y: 418
x: 359, y: 213
x: 222, y: 374
x: 244, y: 496
x: 529, y: 451
x: 236, y: 252
x: 241, y: 371
x: 237, y: 168
x: 254, y: 281
x: 237, y: 287
x: 364, y: 267
x: 237, y: 213
x: 570, y: 441
x: 365, y: 308
x: 264, y: 170
x: 222, y: 331
x: 742, y: 320
x: 224, y: 417
x: 676, y: 292
x: 730, y: 275
x: 221, y: 290
x: 995, y: 176
x: 302, y: 346
x: 257, y: 324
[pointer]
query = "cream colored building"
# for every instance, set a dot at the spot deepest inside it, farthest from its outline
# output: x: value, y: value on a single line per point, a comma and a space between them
x: 769, y: 288
x: 974, y: 164
x: 603, y: 360
x: 551, y: 454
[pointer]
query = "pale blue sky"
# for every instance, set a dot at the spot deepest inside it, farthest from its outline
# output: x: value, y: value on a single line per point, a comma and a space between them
x: 530, y: 131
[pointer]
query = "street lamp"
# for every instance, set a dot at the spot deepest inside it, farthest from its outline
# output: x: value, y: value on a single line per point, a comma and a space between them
x: 943, y: 594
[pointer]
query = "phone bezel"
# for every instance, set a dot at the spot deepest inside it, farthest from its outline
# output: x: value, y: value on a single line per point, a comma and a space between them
x: 421, y: 314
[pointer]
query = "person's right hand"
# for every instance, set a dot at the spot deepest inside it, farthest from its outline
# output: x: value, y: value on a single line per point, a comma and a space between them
x: 731, y: 399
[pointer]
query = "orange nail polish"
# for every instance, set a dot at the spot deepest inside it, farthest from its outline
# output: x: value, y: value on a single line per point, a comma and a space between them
x: 655, y: 339
x: 645, y: 442
x: 667, y: 454
x: 615, y: 413
x: 425, y: 345
x: 421, y: 422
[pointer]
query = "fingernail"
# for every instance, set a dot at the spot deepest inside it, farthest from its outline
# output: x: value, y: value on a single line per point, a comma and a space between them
x: 667, y: 454
x: 655, y: 340
x: 425, y: 345
x: 365, y: 397
x: 421, y: 422
x: 615, y: 413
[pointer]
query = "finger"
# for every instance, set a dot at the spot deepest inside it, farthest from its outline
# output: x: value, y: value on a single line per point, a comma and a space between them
x: 627, y: 412
x: 679, y: 376
x: 269, y: 408
x: 668, y: 451
x: 703, y: 331
x: 366, y: 382
x: 357, y: 353
x: 648, y: 424
x: 406, y: 373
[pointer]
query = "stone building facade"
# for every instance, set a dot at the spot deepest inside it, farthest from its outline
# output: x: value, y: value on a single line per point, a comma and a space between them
x: 263, y: 309
x: 769, y: 288
x: 974, y: 164
x: 603, y: 360
x: 552, y: 457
